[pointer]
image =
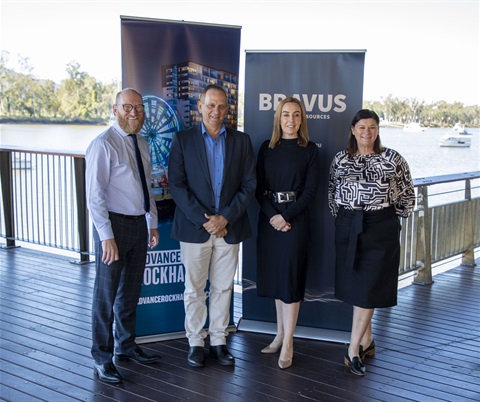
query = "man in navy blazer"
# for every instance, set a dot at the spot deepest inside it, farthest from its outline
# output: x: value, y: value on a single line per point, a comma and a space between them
x: 212, y: 181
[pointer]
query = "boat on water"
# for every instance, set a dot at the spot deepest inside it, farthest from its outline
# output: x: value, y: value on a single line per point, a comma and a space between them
x: 455, y: 140
x: 458, y: 137
x: 414, y: 128
x: 458, y: 128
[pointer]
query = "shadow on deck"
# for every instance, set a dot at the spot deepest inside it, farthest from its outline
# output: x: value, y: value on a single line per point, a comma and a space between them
x: 428, y: 347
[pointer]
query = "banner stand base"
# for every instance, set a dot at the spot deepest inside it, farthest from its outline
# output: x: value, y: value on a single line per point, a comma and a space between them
x: 319, y: 334
x: 170, y: 335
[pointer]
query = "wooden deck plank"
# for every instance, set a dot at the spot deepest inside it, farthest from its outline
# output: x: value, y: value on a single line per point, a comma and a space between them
x: 428, y: 347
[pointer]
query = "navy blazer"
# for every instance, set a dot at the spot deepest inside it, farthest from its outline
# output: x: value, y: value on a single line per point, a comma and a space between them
x: 192, y: 190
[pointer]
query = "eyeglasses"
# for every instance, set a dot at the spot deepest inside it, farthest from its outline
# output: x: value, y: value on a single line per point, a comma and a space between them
x: 128, y: 107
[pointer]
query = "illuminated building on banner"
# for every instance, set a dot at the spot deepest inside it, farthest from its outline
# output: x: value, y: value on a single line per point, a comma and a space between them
x: 184, y: 82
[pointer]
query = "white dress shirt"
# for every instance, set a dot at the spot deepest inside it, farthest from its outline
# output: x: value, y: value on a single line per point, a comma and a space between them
x: 113, y: 182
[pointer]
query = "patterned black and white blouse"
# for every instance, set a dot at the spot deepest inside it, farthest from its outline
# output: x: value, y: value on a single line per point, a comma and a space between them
x: 371, y: 182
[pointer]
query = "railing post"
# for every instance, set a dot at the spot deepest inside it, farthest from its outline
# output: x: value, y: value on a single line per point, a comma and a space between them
x: 7, y: 197
x: 424, y: 274
x: 82, y: 212
x: 468, y: 258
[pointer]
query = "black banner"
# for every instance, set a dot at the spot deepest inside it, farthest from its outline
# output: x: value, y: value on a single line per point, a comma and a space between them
x: 330, y: 85
x: 170, y: 62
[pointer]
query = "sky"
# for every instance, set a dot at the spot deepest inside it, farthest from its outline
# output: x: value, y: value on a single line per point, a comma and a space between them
x: 423, y: 49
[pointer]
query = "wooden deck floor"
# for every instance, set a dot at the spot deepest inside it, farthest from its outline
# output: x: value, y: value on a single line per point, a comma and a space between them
x: 428, y: 348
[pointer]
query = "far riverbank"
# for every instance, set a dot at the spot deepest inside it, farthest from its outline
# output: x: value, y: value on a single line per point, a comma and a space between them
x: 77, y: 122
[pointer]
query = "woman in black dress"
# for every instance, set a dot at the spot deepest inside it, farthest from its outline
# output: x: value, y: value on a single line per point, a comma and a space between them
x: 288, y: 173
x: 370, y: 187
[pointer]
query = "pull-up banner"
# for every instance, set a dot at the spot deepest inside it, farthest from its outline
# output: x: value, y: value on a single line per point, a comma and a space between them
x: 170, y: 63
x: 330, y: 86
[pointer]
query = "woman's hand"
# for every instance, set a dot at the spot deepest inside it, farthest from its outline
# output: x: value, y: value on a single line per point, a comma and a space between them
x: 278, y: 223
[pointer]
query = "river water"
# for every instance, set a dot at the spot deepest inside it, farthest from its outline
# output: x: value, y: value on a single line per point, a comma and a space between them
x: 421, y: 150
x: 52, y: 137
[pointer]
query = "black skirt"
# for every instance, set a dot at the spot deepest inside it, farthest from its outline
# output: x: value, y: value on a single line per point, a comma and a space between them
x: 367, y: 246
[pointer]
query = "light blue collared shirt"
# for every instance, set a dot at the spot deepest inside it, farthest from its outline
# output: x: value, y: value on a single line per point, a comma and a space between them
x: 216, y: 161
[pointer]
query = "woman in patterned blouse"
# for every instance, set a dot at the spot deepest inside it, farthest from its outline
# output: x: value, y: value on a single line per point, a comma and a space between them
x: 370, y: 187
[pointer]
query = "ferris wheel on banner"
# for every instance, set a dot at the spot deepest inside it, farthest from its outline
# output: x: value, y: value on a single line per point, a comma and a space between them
x: 161, y: 122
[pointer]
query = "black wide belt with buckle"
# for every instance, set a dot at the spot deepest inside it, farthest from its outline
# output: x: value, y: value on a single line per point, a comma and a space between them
x: 282, y: 196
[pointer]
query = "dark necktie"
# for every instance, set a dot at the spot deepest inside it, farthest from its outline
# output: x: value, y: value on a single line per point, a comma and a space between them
x: 146, y: 197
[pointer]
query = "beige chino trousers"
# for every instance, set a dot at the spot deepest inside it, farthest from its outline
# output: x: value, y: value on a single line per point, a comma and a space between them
x: 216, y: 261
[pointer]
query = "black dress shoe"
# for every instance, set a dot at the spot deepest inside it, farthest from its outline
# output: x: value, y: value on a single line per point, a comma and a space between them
x: 222, y: 355
x: 196, y: 357
x: 107, y: 372
x: 355, y: 364
x: 368, y: 352
x: 137, y: 355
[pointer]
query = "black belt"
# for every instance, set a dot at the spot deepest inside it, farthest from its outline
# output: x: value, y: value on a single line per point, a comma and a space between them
x: 357, y: 227
x: 379, y: 212
x: 132, y: 217
x: 282, y: 196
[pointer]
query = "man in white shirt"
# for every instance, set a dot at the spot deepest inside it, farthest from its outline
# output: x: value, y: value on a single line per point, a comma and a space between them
x: 124, y: 214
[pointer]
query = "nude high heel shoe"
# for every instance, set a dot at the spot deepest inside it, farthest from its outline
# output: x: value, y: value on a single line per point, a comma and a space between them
x: 273, y: 347
x: 284, y: 364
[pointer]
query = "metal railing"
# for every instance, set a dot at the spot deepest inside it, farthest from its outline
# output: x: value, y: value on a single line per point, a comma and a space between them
x: 445, y: 223
x: 43, y: 202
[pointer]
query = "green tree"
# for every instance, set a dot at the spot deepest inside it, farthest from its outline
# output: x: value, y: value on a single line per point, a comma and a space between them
x: 438, y: 114
x: 82, y: 97
x: 72, y: 94
x: 49, y: 106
